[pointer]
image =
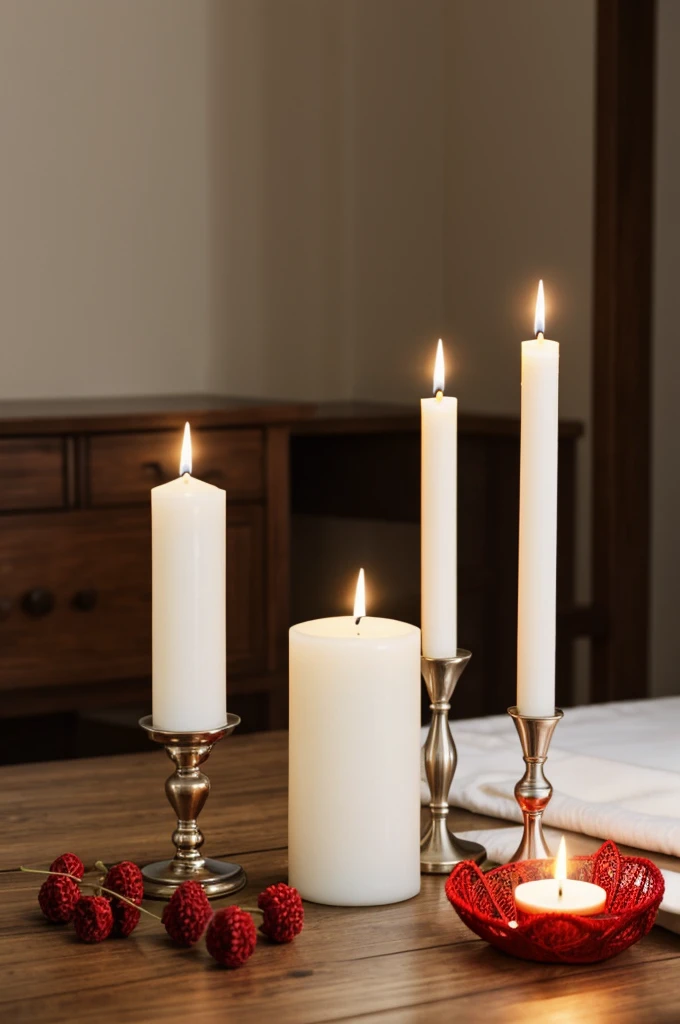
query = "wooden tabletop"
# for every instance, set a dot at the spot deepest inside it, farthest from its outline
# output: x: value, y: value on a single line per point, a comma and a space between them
x: 411, y: 962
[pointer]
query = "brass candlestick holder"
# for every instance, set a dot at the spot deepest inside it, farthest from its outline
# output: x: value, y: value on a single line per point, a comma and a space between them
x: 440, y: 850
x: 533, y: 791
x: 187, y: 790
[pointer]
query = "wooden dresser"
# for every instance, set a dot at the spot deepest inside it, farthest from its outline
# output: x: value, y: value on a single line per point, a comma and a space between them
x: 75, y: 557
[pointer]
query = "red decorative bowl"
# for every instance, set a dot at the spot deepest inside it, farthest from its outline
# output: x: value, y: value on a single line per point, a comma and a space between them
x: 485, y: 902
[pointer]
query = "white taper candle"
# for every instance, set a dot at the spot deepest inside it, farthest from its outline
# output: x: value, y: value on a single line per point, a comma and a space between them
x: 538, y: 523
x: 188, y: 520
x: 439, y: 416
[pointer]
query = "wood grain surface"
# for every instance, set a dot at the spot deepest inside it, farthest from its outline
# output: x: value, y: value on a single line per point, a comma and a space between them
x: 410, y: 962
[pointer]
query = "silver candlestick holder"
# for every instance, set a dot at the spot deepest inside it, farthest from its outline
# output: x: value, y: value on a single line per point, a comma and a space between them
x: 187, y: 790
x: 533, y: 791
x: 440, y: 850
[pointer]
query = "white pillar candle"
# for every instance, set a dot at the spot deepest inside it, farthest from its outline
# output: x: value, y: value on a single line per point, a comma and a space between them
x: 538, y: 523
x: 560, y: 895
x: 354, y: 768
x: 439, y: 416
x: 188, y: 521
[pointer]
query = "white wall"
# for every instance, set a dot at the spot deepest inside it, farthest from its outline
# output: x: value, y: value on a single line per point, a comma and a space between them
x: 665, y: 583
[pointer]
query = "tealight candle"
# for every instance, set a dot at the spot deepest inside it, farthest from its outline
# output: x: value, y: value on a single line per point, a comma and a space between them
x: 560, y: 895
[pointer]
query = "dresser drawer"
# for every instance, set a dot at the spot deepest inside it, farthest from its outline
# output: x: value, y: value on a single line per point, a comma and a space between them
x: 31, y: 473
x: 124, y: 467
x: 75, y: 596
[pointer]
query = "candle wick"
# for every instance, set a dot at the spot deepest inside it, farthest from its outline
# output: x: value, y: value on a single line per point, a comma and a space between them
x: 559, y: 891
x: 358, y: 620
x: 540, y: 336
x: 439, y: 396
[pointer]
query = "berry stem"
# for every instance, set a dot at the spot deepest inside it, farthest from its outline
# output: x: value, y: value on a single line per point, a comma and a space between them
x: 91, y: 885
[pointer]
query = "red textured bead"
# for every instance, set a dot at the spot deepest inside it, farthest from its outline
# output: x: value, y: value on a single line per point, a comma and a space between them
x: 126, y: 879
x: 187, y: 914
x: 58, y: 897
x: 284, y: 915
x: 68, y: 864
x: 93, y: 918
x: 231, y: 937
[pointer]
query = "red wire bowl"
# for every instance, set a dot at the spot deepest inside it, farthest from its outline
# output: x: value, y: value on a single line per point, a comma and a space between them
x: 486, y: 903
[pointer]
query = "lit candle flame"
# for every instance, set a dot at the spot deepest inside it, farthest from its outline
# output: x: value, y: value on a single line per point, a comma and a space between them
x: 185, y: 457
x: 438, y: 378
x: 360, y: 598
x: 539, y: 316
x: 561, y: 864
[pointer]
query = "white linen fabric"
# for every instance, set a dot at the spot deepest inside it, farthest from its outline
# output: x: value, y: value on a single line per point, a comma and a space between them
x: 615, y: 771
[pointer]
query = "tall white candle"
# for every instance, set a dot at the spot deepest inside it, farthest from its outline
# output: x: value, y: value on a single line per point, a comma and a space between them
x: 439, y: 417
x: 354, y: 761
x: 188, y: 520
x: 538, y: 522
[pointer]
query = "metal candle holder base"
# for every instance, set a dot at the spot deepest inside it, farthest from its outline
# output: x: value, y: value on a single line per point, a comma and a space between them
x: 187, y: 790
x: 440, y: 850
x: 533, y: 791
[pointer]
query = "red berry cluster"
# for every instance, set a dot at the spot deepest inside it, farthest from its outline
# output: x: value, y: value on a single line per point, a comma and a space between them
x: 94, y: 918
x: 231, y: 934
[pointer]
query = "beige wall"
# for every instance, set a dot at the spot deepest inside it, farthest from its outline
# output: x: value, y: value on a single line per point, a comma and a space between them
x: 103, y: 199
x: 665, y: 635
x: 292, y: 197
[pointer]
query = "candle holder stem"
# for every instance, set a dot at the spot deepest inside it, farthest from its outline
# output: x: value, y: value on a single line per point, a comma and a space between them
x: 533, y: 791
x: 440, y: 850
x: 187, y: 790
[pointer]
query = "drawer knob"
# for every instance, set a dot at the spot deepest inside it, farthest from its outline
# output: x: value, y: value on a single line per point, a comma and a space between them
x: 38, y: 602
x: 85, y: 600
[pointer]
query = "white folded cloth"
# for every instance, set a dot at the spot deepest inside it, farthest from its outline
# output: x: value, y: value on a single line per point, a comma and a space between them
x: 615, y: 771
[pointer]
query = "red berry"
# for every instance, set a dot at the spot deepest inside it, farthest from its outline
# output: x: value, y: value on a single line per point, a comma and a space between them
x: 187, y: 914
x: 126, y: 879
x: 68, y: 864
x: 125, y: 919
x: 58, y: 897
x: 93, y: 918
x: 284, y: 915
x: 231, y: 937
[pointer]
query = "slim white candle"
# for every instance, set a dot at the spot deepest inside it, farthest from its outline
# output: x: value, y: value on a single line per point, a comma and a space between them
x: 439, y: 417
x: 354, y: 760
x: 538, y: 522
x: 188, y: 519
